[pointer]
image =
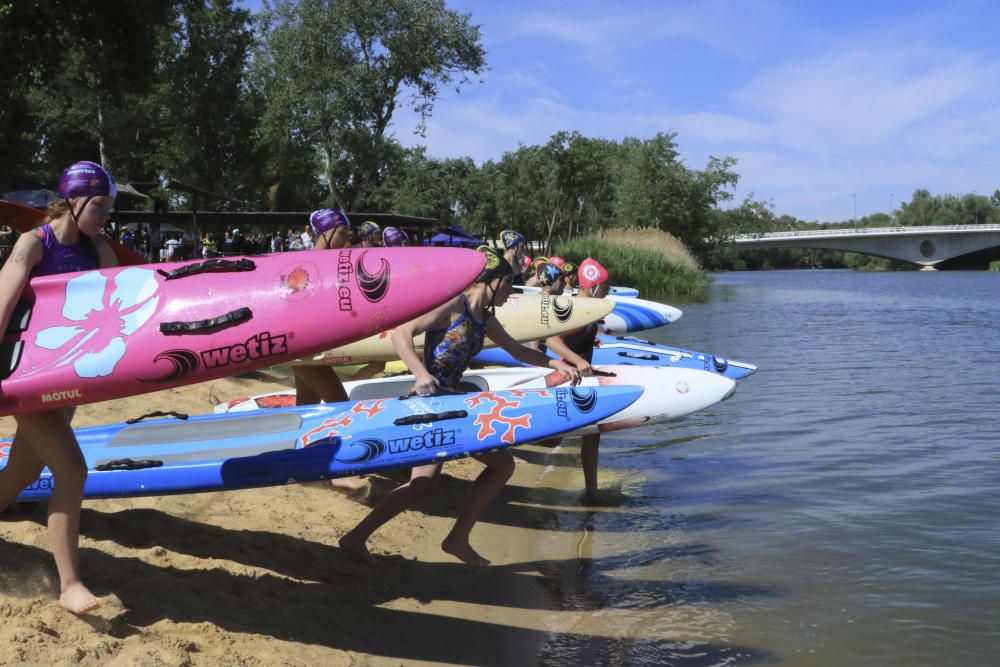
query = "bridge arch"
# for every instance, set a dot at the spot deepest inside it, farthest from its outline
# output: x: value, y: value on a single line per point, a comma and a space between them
x: 924, y: 246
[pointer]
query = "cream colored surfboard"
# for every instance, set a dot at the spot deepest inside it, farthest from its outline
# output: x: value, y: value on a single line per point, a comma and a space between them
x: 526, y: 317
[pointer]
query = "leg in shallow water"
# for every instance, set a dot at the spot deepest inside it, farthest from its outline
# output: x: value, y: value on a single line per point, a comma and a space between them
x: 422, y: 480
x: 499, y: 468
x: 50, y: 436
x: 589, y: 451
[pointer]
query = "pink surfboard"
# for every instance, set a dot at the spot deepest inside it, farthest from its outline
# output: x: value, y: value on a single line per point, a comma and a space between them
x: 96, y: 335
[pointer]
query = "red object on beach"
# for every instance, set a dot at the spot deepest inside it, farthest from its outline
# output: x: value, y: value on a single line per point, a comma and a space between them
x: 23, y: 219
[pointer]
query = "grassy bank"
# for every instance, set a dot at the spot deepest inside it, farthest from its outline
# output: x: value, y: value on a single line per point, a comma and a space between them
x: 644, y: 257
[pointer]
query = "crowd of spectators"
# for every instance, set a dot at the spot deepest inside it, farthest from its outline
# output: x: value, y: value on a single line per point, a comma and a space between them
x: 234, y: 242
x: 172, y: 246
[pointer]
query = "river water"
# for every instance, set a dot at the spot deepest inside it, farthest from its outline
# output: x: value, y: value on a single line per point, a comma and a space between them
x: 842, y: 508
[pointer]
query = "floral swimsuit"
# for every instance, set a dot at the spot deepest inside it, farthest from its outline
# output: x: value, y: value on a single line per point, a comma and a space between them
x: 447, y: 352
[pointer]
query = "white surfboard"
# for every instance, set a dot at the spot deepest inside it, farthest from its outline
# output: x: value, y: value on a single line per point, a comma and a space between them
x: 669, y: 393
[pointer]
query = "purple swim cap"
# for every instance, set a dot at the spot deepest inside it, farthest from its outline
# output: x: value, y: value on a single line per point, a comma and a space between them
x: 393, y: 236
x: 87, y: 179
x: 326, y: 219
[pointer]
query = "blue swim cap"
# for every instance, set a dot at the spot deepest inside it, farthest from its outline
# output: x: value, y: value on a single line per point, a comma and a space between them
x: 367, y: 229
x: 510, y: 238
x: 548, y: 274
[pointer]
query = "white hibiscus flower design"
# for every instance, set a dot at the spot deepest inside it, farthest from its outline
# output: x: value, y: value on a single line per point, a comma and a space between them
x: 105, y: 318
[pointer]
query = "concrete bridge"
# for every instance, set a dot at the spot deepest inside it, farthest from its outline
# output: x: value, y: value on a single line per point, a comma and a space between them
x: 926, y: 246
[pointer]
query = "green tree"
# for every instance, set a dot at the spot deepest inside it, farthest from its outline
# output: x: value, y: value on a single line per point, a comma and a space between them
x: 106, y: 57
x: 585, y: 179
x: 208, y: 115
x: 29, y: 60
x: 654, y: 188
x: 335, y: 72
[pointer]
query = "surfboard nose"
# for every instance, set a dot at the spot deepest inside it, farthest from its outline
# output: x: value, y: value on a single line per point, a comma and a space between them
x: 610, y: 400
x: 456, y: 261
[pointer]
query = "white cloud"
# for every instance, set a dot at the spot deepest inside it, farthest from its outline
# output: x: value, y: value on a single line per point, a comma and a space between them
x: 869, y: 113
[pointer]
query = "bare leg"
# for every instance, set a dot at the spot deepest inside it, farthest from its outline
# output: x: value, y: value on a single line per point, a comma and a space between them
x: 588, y: 457
x: 23, y: 467
x: 369, y: 371
x: 320, y: 383
x: 499, y: 468
x: 422, y: 480
x: 317, y: 383
x: 50, y: 436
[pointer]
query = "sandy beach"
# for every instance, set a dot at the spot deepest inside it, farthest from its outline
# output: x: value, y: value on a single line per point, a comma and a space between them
x: 256, y: 577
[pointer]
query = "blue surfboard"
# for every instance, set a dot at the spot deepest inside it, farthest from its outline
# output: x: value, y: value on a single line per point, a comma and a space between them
x: 308, y: 443
x: 627, y: 350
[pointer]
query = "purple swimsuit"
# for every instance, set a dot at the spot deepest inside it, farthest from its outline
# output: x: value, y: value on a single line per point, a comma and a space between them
x: 59, y: 258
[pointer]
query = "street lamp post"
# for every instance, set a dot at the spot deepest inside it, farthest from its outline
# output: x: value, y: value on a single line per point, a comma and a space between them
x: 891, y: 195
x: 855, y: 210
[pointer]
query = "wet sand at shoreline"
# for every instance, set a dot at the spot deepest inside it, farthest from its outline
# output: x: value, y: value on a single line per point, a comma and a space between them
x: 256, y: 577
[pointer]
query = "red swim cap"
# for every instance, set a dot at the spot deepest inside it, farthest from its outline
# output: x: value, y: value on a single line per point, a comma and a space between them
x: 591, y: 273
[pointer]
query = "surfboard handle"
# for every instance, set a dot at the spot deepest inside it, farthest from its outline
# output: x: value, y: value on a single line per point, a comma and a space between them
x: 10, y: 357
x: 128, y: 464
x: 605, y: 374
x: 633, y: 339
x: 232, y: 318
x: 430, y: 417
x: 639, y: 355
x: 19, y: 318
x: 208, y: 266
x: 158, y: 413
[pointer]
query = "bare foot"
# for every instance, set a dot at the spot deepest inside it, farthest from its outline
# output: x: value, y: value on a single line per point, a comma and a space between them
x: 464, y: 552
x: 77, y: 599
x: 349, y: 483
x: 357, y: 548
x: 612, y: 496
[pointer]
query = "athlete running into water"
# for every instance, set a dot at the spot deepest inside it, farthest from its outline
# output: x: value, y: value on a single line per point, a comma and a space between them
x: 68, y: 241
x: 577, y: 348
x: 454, y: 334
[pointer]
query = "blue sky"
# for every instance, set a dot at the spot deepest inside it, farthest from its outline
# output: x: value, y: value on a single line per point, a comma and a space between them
x: 818, y: 101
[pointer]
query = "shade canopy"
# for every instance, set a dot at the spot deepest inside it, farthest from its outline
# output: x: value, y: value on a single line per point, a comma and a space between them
x: 454, y: 236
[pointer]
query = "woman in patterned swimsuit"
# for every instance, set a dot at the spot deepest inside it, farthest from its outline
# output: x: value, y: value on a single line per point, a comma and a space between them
x: 69, y: 241
x: 454, y: 334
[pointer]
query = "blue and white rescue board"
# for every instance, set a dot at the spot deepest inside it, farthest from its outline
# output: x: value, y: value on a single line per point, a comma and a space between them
x: 617, y: 290
x: 631, y: 315
x: 301, y: 444
x: 628, y: 351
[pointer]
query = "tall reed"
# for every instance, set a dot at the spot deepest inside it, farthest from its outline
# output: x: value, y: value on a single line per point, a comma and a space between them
x: 648, y: 258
